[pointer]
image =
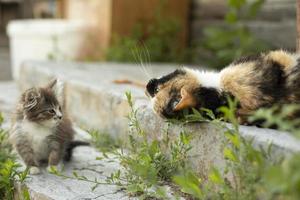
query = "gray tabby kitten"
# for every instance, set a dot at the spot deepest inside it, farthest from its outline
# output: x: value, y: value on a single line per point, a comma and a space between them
x: 41, y: 133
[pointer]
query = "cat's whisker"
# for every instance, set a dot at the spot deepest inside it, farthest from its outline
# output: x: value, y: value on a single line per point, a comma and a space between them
x: 139, y: 60
x: 147, y: 61
x: 134, y: 53
x: 148, y: 56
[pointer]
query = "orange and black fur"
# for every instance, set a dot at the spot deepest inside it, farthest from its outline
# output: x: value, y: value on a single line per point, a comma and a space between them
x: 256, y: 81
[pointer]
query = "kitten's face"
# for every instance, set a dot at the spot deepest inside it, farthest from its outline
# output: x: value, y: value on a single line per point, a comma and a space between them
x: 42, y: 105
x: 173, y: 92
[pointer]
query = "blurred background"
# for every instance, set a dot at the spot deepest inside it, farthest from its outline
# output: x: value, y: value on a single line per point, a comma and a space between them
x: 208, y: 33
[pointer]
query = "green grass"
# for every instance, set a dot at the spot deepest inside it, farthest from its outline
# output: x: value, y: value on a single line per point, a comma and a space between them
x: 10, y: 172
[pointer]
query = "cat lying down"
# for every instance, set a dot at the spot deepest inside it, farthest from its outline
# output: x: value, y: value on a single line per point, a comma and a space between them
x: 41, y: 132
x: 256, y: 81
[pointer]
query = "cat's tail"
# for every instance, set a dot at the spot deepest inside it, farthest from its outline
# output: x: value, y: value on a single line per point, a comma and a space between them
x: 71, y: 146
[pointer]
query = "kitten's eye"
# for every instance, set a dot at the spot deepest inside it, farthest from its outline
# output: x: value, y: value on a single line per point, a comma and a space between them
x: 156, y: 90
x: 51, y: 111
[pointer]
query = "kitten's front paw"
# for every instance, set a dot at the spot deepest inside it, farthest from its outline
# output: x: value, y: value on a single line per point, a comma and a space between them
x: 34, y: 170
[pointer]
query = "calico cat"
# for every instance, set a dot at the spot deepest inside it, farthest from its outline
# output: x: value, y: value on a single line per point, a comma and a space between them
x: 41, y: 131
x: 256, y: 81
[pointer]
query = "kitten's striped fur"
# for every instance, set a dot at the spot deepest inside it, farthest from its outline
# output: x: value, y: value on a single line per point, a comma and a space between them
x: 41, y: 130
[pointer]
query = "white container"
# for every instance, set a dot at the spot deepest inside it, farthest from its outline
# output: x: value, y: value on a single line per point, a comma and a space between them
x: 44, y: 40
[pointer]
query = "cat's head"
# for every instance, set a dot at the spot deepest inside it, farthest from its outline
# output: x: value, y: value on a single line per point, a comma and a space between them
x: 44, y: 105
x: 183, y: 89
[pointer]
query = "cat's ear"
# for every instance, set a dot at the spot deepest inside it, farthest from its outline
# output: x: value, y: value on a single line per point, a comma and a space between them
x: 57, y: 86
x: 187, y: 100
x: 30, y: 98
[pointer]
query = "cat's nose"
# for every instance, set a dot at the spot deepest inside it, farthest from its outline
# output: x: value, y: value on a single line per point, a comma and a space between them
x: 168, y: 113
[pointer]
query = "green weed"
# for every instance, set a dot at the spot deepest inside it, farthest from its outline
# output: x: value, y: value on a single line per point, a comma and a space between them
x: 104, y: 141
x: 10, y: 173
x: 149, y: 164
x: 250, y: 173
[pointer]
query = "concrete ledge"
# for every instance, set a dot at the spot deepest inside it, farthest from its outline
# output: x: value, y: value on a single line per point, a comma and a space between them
x: 46, y: 186
x: 94, y: 101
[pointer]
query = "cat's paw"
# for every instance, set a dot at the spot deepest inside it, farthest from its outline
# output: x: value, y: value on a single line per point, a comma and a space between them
x: 34, y: 170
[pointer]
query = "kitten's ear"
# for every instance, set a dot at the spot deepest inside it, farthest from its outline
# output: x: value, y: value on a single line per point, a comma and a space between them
x: 187, y: 100
x: 52, y: 83
x: 30, y: 98
x: 57, y: 86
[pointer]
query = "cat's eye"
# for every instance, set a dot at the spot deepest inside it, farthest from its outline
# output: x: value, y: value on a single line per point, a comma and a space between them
x: 156, y: 90
x: 152, y: 87
x: 174, y: 103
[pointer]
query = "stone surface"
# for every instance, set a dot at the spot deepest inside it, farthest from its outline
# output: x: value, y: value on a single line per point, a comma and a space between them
x: 95, y: 102
x: 46, y: 186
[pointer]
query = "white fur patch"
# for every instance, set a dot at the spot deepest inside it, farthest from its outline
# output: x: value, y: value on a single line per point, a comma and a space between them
x: 37, y: 135
x: 207, y: 78
x: 152, y: 101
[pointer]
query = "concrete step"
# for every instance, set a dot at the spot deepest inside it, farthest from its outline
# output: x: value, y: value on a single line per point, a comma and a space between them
x: 46, y: 186
x: 94, y: 101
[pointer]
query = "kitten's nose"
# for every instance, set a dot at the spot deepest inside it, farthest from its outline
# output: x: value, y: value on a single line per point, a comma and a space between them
x: 58, y: 115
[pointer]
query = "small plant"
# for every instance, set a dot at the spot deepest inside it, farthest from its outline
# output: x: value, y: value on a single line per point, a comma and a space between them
x: 10, y: 173
x: 220, y: 45
x: 241, y: 178
x: 250, y: 173
x: 148, y: 164
x: 282, y: 117
x: 104, y: 141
